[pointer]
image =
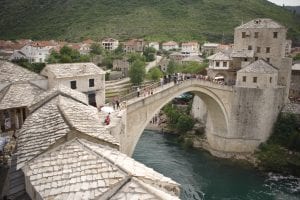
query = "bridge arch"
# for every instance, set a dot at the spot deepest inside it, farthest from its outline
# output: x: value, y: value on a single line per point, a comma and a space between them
x: 141, y: 111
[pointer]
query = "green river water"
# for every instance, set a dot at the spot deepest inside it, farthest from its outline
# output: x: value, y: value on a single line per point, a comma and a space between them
x: 203, y: 176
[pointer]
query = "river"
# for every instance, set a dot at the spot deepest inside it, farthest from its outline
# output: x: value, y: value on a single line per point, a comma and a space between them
x: 203, y: 176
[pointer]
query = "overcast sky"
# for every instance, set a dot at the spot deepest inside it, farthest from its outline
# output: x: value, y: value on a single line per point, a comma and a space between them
x: 286, y: 2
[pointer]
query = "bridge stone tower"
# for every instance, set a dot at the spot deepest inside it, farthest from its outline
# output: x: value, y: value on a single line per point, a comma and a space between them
x: 262, y: 84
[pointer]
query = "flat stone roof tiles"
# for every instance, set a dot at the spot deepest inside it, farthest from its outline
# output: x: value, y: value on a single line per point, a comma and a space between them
x: 259, y: 66
x: 67, y: 70
x: 260, y: 23
x: 10, y: 72
x: 77, y: 170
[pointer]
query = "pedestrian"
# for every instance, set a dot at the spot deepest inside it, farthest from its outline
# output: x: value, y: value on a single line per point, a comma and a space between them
x: 118, y: 104
x: 138, y: 92
x: 107, y: 119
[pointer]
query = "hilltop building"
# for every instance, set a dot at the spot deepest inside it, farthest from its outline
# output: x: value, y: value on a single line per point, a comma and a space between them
x: 209, y: 48
x: 34, y: 52
x: 110, y: 44
x: 190, y: 48
x: 171, y: 45
x: 134, y: 46
x: 154, y: 45
x: 84, y: 77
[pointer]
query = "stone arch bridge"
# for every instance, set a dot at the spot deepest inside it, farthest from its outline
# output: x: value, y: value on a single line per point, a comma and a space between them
x: 234, y: 125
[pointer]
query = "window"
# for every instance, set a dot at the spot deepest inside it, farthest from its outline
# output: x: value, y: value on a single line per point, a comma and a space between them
x: 244, y: 78
x: 275, y: 34
x: 249, y: 47
x: 270, y: 79
x: 224, y: 64
x: 258, y: 49
x: 246, y: 59
x: 268, y: 49
x: 268, y: 59
x: 256, y: 58
x: 256, y: 35
x: 92, y: 99
x: 243, y: 34
x: 91, y: 83
x: 73, y: 84
x: 254, y: 79
x: 217, y: 64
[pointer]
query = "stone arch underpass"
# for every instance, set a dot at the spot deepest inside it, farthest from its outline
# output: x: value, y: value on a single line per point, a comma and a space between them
x: 217, y: 98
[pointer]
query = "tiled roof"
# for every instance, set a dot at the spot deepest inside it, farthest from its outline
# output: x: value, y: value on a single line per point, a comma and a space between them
x: 18, y: 95
x: 259, y: 66
x: 72, y: 69
x: 56, y: 118
x: 83, y: 170
x: 193, y: 58
x: 189, y: 44
x: 109, y: 40
x: 260, y: 23
x: 210, y: 45
x: 58, y: 90
x: 10, y: 72
x: 219, y: 56
x: 170, y: 43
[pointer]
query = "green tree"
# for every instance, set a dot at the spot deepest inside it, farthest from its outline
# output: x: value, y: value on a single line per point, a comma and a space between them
x: 149, y: 53
x: 96, y: 49
x: 119, y: 50
x: 185, y: 123
x: 296, y: 57
x: 67, y: 55
x: 137, y: 72
x: 154, y: 74
x: 171, y: 67
x: 132, y: 57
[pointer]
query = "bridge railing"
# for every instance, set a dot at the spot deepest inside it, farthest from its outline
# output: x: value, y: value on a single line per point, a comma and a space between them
x: 143, y: 91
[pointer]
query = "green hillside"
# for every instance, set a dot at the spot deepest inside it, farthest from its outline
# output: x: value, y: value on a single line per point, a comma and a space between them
x: 75, y: 20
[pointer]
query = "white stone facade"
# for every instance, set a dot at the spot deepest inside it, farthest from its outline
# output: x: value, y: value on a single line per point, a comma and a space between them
x: 84, y: 77
x: 154, y: 45
x: 190, y: 48
x: 110, y: 44
x: 171, y: 45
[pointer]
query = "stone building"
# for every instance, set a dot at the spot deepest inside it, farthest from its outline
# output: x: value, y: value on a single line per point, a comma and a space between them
x: 110, y: 44
x: 18, y: 88
x: 190, y: 48
x: 209, y: 48
x: 171, y: 45
x: 84, y: 77
x: 294, y: 93
x: 258, y: 39
x: 121, y: 65
x: 65, y: 152
x: 134, y: 46
x: 258, y: 74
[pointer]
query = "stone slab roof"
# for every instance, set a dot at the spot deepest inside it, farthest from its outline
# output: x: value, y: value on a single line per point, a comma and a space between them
x: 219, y: 56
x: 260, y: 23
x: 259, y: 66
x: 58, y: 90
x: 56, y: 119
x: 74, y: 170
x: 242, y: 54
x: 72, y: 70
x: 18, y: 95
x: 10, y: 72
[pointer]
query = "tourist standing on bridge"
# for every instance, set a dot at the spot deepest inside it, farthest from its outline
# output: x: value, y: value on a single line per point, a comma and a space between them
x: 138, y: 92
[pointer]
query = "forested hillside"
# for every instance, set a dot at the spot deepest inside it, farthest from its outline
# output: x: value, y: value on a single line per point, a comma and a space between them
x: 75, y: 20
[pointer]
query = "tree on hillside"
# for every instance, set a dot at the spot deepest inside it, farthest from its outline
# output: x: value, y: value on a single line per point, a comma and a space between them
x: 67, y: 55
x: 149, y: 53
x: 132, y: 57
x: 171, y: 67
x: 119, y: 50
x: 137, y: 72
x: 96, y: 49
x: 154, y: 74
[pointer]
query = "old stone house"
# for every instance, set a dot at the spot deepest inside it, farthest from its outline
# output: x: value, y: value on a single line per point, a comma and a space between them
x: 209, y: 48
x: 18, y: 88
x: 134, y: 46
x: 190, y: 48
x: 154, y: 45
x: 171, y: 45
x: 110, y: 44
x: 84, y: 77
x: 121, y: 65
x: 295, y: 83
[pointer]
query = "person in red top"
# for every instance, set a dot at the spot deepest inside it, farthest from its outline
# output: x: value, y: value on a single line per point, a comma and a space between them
x: 107, y: 119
